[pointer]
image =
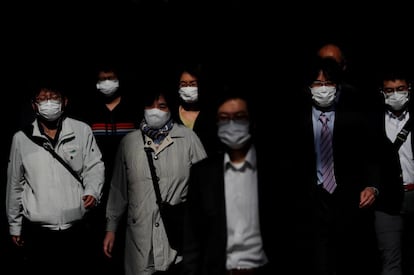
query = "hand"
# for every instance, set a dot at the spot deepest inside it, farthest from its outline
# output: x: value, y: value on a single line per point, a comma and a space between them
x: 108, y: 243
x: 367, y: 197
x: 17, y: 240
x: 88, y: 201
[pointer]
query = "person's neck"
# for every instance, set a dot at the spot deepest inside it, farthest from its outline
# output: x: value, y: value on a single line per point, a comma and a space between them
x: 397, y: 113
x: 113, y: 103
x: 190, y: 106
x: 325, y: 109
x: 238, y: 155
x: 50, y: 128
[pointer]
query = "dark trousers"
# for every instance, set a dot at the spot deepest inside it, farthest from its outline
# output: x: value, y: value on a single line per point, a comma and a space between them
x: 343, y: 237
x: 408, y: 243
x: 56, y: 251
x: 96, y: 222
x: 388, y: 229
x: 173, y: 270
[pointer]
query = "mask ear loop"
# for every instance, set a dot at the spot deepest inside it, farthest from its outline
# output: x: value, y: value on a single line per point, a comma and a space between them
x: 381, y: 90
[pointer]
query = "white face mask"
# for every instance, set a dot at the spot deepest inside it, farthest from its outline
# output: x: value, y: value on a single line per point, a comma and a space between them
x: 234, y: 134
x: 397, y: 100
x: 189, y: 94
x: 50, y: 109
x: 156, y: 118
x: 323, y: 96
x: 108, y: 87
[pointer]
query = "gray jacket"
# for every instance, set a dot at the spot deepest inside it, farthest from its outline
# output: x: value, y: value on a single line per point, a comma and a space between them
x: 40, y: 188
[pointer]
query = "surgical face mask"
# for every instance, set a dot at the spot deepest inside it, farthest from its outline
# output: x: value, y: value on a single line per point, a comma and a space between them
x: 188, y: 94
x: 323, y: 96
x: 108, y: 87
x: 156, y: 118
x: 50, y: 109
x: 235, y: 134
x: 397, y: 100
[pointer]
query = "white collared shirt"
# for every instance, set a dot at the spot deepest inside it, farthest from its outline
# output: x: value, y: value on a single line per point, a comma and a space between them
x: 244, y: 241
x: 393, y: 126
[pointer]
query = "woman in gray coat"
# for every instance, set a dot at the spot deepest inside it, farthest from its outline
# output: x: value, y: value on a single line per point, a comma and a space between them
x: 175, y: 148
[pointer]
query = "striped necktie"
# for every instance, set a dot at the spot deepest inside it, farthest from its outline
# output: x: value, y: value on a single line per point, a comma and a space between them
x: 328, y: 178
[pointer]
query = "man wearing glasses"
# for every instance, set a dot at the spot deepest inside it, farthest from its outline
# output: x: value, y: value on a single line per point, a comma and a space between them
x: 394, y: 215
x: 46, y: 203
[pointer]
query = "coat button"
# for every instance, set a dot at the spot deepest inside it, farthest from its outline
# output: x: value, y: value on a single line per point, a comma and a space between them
x: 149, y: 142
x: 157, y: 224
x: 155, y: 157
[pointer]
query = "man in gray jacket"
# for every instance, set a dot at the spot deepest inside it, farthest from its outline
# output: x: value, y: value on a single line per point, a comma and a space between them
x: 46, y: 199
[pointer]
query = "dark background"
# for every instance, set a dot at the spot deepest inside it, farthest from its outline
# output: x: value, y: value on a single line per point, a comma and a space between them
x: 75, y: 34
x: 266, y: 44
x: 234, y: 37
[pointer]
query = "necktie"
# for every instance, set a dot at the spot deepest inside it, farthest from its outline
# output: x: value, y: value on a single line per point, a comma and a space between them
x: 328, y: 178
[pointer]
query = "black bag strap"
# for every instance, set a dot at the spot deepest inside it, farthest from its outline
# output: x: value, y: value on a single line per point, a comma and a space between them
x: 403, y: 134
x: 154, y: 176
x: 46, y: 145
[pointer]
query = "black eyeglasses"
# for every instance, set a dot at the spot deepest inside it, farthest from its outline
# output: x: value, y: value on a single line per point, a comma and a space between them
x: 48, y: 97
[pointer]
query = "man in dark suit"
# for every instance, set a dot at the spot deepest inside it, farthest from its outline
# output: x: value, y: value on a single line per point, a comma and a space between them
x: 230, y: 225
x: 332, y: 194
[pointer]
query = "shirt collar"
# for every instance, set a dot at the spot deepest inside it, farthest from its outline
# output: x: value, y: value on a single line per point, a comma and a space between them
x: 391, y: 115
x: 250, y: 160
x: 317, y: 113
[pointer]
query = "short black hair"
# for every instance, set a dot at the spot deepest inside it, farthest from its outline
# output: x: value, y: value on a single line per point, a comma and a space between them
x: 156, y: 82
x: 50, y: 83
x: 235, y: 90
x: 329, y: 67
x: 53, y: 78
x: 394, y: 71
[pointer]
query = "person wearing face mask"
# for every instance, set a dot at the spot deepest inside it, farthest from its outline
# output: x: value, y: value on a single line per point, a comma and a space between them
x: 335, y: 175
x: 394, y: 213
x: 174, y: 149
x: 189, y: 104
x: 46, y: 205
x: 193, y: 98
x: 228, y: 229
x: 349, y: 81
x: 111, y: 113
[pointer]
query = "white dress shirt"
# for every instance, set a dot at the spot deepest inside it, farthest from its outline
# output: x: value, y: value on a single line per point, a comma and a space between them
x: 244, y: 242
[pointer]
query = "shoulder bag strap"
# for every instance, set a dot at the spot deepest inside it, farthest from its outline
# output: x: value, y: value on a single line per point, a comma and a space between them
x: 403, y: 134
x: 47, y: 147
x: 154, y: 176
